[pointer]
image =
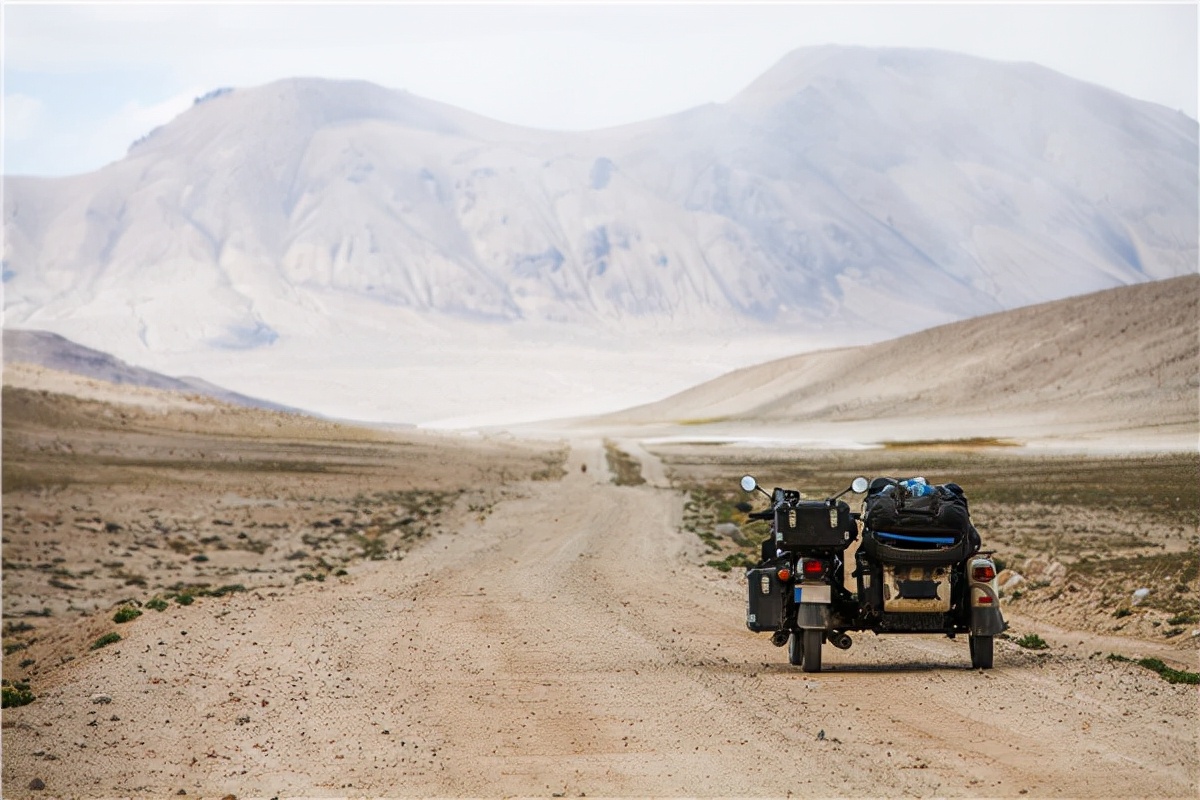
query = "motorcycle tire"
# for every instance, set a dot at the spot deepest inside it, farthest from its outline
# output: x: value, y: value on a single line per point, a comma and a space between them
x: 795, y: 649
x: 902, y: 556
x: 812, y: 650
x: 981, y: 651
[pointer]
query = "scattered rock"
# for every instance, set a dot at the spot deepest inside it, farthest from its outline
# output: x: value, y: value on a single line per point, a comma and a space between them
x: 1008, y: 578
x: 101, y: 699
x: 37, y: 784
x: 1140, y: 595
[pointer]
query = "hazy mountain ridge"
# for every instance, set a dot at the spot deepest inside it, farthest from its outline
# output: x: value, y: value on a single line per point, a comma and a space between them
x: 843, y: 184
x: 52, y: 351
x: 1121, y: 359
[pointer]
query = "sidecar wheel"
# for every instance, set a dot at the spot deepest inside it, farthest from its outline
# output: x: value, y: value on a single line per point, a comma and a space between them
x: 812, y: 650
x: 795, y: 649
x: 981, y: 651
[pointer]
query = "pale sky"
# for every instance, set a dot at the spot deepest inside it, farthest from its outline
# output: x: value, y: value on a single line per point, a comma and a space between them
x: 82, y: 81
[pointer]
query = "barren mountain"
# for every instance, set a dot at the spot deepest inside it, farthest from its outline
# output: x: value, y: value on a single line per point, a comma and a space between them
x: 1118, y: 361
x: 53, y: 352
x: 844, y: 183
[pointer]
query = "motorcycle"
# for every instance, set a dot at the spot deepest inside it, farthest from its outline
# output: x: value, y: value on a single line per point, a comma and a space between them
x: 918, y: 569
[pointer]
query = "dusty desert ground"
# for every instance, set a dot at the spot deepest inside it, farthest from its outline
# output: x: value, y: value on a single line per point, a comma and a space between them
x: 365, y: 613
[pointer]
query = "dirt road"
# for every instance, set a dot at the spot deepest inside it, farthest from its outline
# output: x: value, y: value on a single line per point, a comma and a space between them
x: 566, y: 642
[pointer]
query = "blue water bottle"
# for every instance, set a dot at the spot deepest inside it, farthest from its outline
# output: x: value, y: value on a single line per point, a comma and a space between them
x: 917, y: 487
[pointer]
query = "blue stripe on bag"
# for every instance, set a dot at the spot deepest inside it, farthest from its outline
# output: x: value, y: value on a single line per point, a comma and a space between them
x: 924, y: 539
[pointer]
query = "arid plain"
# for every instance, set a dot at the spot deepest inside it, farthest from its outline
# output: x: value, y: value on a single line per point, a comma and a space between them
x: 328, y: 610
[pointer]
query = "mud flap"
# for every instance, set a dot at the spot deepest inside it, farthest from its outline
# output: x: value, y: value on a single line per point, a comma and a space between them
x: 812, y: 615
x: 986, y: 621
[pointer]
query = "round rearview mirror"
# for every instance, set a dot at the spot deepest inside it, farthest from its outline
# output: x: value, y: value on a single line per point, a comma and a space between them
x: 749, y: 484
x: 859, y: 485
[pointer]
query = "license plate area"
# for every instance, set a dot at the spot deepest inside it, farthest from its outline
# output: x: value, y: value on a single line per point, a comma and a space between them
x: 813, y: 593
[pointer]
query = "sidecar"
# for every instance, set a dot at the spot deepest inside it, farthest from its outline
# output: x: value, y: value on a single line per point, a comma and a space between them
x: 919, y: 569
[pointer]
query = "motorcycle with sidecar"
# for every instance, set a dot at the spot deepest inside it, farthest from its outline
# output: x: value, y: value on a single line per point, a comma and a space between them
x: 918, y: 568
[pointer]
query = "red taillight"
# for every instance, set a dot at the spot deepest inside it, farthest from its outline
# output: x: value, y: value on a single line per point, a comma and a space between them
x: 784, y: 574
x: 813, y: 566
x: 985, y: 600
x: 983, y: 574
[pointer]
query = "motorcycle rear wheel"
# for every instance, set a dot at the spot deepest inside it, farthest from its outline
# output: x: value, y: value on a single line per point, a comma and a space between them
x: 795, y: 649
x: 812, y: 650
x: 981, y: 651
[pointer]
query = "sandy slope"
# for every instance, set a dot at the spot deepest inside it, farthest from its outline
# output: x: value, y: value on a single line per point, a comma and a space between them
x: 567, y: 642
x: 1120, y: 367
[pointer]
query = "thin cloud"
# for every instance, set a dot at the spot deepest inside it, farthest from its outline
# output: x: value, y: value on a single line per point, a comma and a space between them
x: 23, y: 117
x: 566, y: 67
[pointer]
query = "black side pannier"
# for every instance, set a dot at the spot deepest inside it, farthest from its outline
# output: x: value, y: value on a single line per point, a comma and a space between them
x: 814, y: 524
x: 765, y: 597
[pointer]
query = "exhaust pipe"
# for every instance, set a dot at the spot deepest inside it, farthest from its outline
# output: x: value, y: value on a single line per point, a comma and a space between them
x: 780, y: 638
x: 840, y: 640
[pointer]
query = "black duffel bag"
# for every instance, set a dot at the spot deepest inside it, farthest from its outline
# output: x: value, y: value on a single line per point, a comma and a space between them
x: 891, y: 507
x: 932, y: 529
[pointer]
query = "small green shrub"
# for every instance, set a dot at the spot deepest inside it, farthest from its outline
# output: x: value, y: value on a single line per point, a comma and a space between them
x: 9, y: 649
x: 1169, y: 674
x: 16, y: 693
x: 221, y: 591
x: 184, y: 599
x: 626, y: 470
x: 126, y: 614
x: 105, y: 641
x: 733, y: 560
x: 1186, y: 618
x: 1031, y: 641
x: 1122, y: 612
x: 157, y: 604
